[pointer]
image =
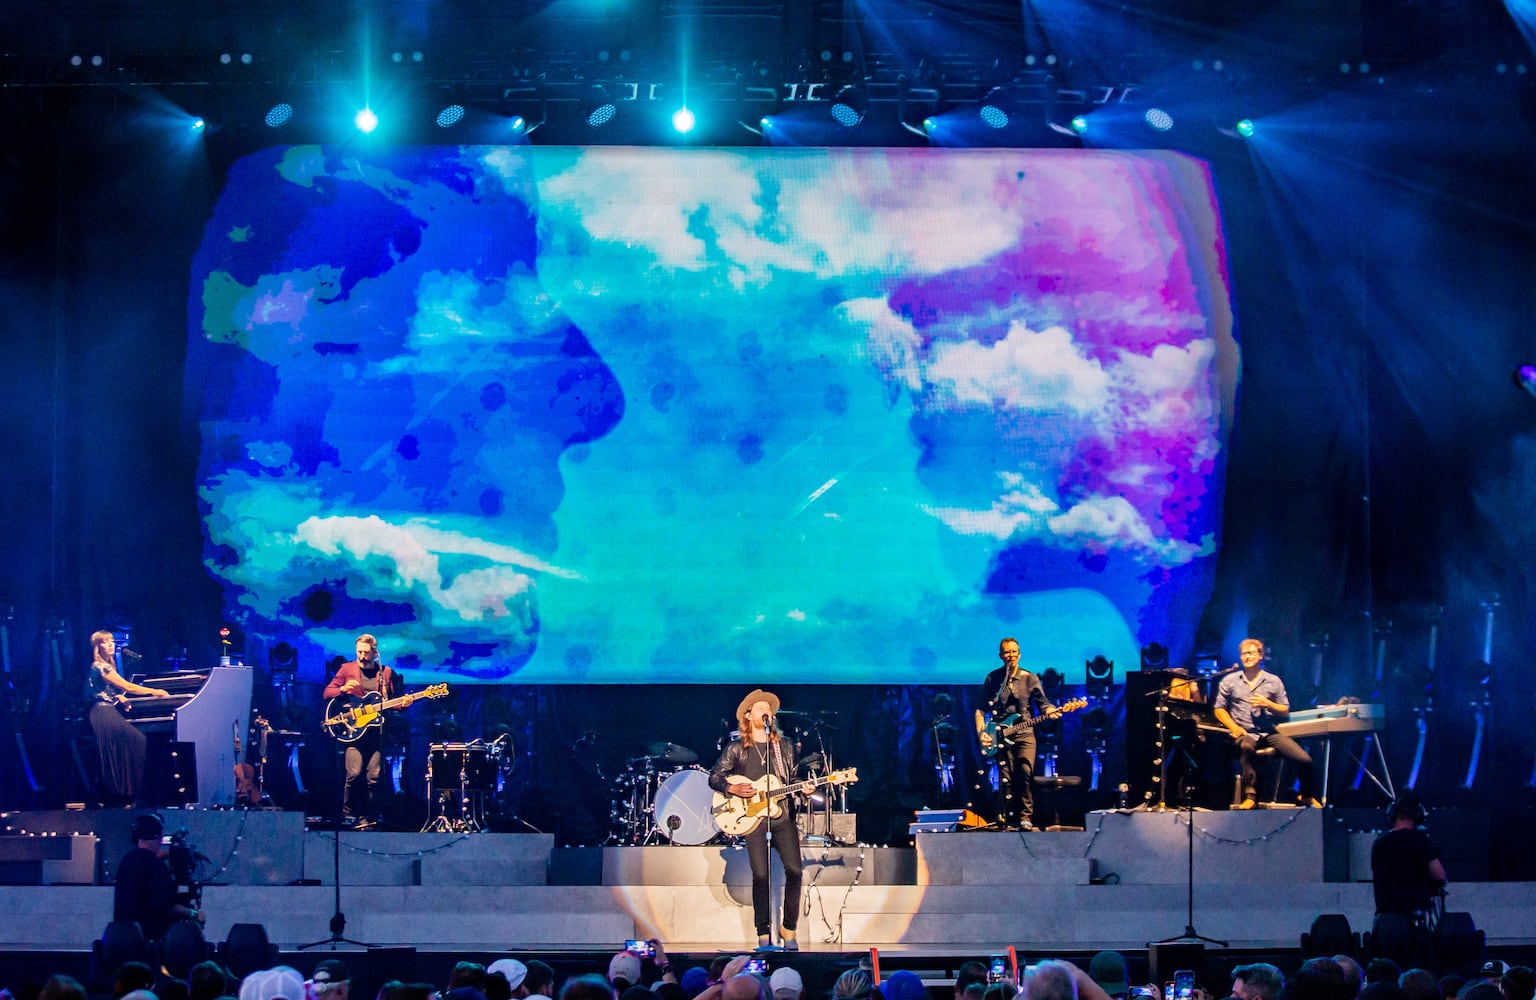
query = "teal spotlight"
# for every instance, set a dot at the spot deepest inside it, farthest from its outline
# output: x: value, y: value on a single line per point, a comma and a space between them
x: 518, y: 124
x: 366, y: 121
x: 198, y: 125
x: 765, y: 123
x: 1245, y: 128
x: 683, y: 120
x: 1079, y: 124
x: 930, y: 124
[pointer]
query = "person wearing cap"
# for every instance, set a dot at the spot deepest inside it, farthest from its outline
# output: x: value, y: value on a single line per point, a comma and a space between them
x: 786, y: 984
x: 145, y: 890
x: 504, y: 980
x: 1010, y: 690
x: 331, y: 980
x: 1406, y: 872
x: 1107, y: 968
x: 760, y: 756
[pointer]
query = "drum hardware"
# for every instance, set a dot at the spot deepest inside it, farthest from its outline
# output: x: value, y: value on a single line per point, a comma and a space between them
x: 476, y: 771
x: 656, y: 804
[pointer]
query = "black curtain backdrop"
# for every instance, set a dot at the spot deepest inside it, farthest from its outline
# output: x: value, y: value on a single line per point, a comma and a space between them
x: 1381, y: 481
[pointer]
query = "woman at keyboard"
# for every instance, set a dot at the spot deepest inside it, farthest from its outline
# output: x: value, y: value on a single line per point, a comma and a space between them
x: 119, y: 744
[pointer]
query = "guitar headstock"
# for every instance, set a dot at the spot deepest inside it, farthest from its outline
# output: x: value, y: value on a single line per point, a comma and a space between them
x: 435, y: 691
x: 843, y: 776
x: 1074, y: 705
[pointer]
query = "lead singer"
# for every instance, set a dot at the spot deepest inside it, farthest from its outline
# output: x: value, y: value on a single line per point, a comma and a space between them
x: 760, y: 751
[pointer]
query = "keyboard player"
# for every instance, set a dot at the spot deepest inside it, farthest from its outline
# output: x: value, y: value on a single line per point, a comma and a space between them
x: 120, y: 745
x: 1250, y: 702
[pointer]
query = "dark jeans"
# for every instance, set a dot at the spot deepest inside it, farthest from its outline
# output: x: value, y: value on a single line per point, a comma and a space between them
x: 366, y: 756
x: 1285, y: 747
x: 1015, y: 782
x: 786, y: 840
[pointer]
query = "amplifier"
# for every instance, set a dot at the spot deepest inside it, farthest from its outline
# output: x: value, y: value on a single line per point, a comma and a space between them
x: 844, y: 826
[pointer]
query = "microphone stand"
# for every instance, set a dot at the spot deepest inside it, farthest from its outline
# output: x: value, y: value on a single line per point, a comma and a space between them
x: 1190, y: 934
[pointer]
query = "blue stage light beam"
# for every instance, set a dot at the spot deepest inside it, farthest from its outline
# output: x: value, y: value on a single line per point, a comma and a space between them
x: 683, y: 120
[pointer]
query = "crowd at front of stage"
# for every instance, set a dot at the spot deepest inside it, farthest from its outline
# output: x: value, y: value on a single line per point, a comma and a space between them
x: 643, y: 971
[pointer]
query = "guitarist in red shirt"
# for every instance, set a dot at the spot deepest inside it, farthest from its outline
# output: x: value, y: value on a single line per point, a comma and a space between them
x: 1010, y: 690
x: 358, y: 678
x: 761, y: 752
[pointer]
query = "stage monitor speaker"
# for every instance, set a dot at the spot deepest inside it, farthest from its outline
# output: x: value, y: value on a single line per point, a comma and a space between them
x: 845, y: 826
x: 1166, y: 958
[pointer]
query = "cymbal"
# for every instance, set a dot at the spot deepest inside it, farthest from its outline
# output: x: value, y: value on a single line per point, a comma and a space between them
x: 671, y: 753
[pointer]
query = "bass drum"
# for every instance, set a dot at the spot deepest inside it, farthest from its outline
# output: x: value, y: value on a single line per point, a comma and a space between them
x: 682, y: 808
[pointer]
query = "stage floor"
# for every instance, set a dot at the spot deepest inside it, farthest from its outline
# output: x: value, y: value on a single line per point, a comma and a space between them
x: 1259, y: 880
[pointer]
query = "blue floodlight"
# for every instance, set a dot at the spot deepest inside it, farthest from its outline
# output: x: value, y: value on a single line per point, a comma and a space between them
x: 1159, y: 119
x: 278, y: 115
x: 366, y: 121
x: 450, y: 116
x: 683, y: 120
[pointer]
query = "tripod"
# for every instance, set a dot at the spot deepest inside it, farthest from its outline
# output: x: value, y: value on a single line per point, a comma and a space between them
x: 338, y: 919
x: 1190, y: 934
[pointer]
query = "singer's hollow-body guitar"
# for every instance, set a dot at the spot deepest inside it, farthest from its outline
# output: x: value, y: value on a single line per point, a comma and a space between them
x: 739, y: 816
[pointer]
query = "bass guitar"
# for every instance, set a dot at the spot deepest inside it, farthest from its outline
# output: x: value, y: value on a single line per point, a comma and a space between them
x: 739, y: 816
x: 1005, y: 732
x: 348, y: 717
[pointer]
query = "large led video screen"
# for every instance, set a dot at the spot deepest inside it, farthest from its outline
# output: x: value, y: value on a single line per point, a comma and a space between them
x: 617, y: 415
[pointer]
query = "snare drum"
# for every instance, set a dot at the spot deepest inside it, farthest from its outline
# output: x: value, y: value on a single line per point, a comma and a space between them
x: 475, y: 763
x: 682, y: 808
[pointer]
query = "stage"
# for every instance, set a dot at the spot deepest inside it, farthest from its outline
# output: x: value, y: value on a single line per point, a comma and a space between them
x: 1259, y: 880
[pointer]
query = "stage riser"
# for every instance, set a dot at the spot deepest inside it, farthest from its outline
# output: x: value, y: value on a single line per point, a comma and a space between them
x: 975, y: 919
x: 272, y: 848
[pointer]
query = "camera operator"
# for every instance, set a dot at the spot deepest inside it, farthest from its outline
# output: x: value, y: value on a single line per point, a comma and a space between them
x: 146, y: 885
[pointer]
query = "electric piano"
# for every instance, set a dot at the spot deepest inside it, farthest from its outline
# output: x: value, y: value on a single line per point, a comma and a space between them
x: 1328, y: 721
x: 208, y: 709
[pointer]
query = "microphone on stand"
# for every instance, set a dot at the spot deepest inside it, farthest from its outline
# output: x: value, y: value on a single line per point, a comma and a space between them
x: 131, y: 654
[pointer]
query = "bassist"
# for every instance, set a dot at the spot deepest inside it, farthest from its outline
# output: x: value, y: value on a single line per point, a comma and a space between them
x: 1011, y: 690
x: 364, y: 757
x: 761, y: 751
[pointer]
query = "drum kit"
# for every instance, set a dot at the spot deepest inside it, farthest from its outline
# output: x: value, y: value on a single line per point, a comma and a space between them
x: 463, y: 781
x: 663, y: 796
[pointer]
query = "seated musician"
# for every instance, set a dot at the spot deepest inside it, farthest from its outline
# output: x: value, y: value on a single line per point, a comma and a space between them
x: 358, y: 678
x: 119, y: 743
x: 1250, y: 703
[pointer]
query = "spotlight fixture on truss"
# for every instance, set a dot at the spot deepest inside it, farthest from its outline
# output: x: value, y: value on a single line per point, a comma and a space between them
x: 849, y: 106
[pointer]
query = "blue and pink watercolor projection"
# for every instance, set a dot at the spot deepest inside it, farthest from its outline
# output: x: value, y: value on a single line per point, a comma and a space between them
x: 617, y: 415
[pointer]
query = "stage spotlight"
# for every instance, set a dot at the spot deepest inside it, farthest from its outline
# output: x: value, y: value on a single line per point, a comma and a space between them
x: 1158, y: 119
x: 198, y: 125
x: 450, y: 116
x: 366, y: 121
x: 683, y: 120
x: 599, y: 107
x: 849, y: 106
x: 1079, y: 124
x: 517, y: 123
x: 278, y: 115
x: 1101, y: 676
x: 1525, y: 378
x: 997, y: 108
x: 1154, y: 656
x: 1245, y: 128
